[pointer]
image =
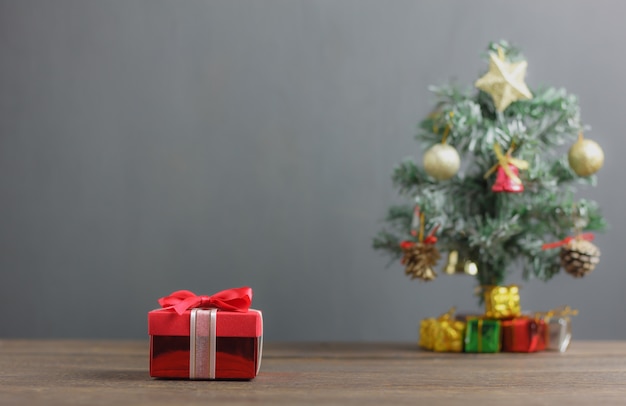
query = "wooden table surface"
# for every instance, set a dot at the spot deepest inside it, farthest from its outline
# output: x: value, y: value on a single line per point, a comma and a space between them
x: 116, y: 373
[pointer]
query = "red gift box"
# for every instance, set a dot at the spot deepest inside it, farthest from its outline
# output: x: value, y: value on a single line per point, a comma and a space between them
x: 206, y: 337
x: 523, y: 334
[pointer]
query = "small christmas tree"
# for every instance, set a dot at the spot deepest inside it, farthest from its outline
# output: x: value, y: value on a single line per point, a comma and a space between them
x: 495, y: 187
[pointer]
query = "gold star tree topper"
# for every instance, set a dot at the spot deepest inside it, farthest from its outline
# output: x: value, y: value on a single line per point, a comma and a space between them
x: 504, y: 81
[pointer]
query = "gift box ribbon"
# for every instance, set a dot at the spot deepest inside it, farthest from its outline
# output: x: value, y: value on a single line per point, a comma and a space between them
x: 559, y: 312
x: 533, y: 332
x: 234, y: 300
x: 203, y: 322
x: 202, y: 342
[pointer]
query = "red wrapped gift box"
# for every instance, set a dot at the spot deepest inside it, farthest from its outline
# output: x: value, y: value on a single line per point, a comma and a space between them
x: 523, y: 334
x: 206, y: 337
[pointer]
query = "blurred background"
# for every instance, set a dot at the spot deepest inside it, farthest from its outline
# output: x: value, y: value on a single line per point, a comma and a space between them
x: 148, y: 146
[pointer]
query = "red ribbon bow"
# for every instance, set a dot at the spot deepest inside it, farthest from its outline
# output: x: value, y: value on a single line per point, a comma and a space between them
x: 235, y: 300
x: 431, y: 239
x: 567, y: 240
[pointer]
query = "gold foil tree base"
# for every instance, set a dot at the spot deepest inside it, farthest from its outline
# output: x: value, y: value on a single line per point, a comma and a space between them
x: 502, y: 302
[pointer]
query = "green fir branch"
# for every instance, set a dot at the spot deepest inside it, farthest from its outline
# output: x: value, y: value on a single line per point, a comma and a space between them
x: 409, y: 178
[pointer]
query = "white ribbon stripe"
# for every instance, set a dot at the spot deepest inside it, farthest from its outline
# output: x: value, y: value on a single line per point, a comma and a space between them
x: 202, y: 340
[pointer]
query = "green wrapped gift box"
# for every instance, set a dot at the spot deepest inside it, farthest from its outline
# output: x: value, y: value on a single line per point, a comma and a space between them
x: 482, y: 335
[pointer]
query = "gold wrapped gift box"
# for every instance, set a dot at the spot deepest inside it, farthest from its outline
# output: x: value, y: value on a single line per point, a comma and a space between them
x: 444, y: 334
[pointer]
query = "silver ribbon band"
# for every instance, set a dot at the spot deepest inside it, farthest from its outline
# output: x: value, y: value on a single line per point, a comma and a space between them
x: 202, y: 340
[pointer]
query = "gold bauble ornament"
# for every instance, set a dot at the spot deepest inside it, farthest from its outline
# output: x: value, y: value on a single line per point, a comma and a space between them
x: 441, y: 161
x: 504, y: 81
x: 585, y: 157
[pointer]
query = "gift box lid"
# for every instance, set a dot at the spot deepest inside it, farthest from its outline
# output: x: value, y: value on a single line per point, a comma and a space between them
x: 166, y: 322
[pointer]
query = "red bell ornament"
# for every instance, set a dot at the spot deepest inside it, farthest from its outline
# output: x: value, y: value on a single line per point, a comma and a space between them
x: 505, y: 183
x: 507, y: 171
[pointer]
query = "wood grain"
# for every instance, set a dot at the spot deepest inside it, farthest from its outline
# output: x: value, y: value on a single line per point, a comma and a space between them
x: 116, y: 372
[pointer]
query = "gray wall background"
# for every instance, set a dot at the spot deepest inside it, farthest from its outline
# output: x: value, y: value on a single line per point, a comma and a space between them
x: 148, y: 146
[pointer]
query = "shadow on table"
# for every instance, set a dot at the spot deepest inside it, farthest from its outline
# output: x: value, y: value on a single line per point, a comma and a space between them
x: 113, y: 375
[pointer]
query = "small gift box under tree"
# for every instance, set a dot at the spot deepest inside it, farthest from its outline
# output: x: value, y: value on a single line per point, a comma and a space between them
x: 523, y: 334
x: 482, y: 335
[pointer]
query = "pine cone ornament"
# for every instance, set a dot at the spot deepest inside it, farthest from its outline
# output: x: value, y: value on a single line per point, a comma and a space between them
x: 579, y: 257
x: 418, y: 259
